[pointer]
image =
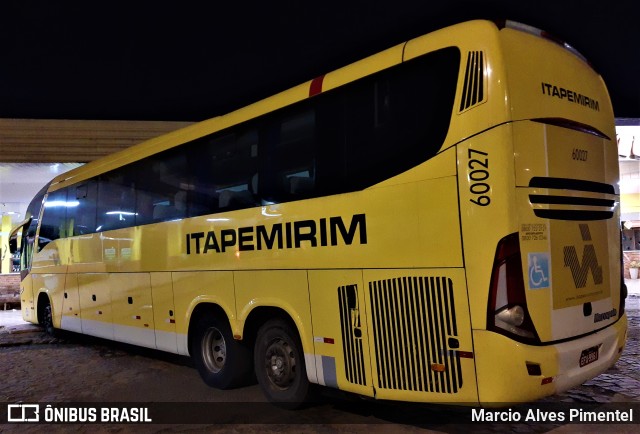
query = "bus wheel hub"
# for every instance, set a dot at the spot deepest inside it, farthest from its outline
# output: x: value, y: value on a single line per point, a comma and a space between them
x: 280, y: 364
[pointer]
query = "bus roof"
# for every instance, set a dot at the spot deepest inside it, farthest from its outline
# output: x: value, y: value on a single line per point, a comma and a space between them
x: 358, y: 69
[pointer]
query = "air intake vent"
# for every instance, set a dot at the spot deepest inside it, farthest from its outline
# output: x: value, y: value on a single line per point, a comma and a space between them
x: 351, y: 334
x: 473, y: 90
x: 413, y: 319
x: 576, y: 208
x: 571, y: 184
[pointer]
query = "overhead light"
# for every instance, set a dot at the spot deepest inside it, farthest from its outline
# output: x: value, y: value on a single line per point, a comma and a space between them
x: 61, y: 203
x: 121, y: 213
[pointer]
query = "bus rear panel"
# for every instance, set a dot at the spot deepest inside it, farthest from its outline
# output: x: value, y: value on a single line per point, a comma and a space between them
x: 554, y: 313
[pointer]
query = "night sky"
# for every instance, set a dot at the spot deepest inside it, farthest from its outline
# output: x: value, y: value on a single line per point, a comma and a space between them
x: 156, y: 61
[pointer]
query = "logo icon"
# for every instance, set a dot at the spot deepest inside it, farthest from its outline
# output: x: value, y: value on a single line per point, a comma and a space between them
x: 580, y: 269
x: 23, y: 413
x: 539, y: 276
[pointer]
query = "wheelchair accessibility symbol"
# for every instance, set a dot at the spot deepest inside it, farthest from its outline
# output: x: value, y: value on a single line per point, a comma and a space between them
x: 539, y: 276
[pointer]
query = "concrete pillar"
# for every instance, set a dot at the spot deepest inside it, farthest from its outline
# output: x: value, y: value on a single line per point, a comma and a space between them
x: 5, y: 266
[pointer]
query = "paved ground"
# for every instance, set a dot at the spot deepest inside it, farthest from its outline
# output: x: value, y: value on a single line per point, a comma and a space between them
x: 38, y: 369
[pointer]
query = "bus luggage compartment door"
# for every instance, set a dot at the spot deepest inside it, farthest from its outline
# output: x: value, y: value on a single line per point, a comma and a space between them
x: 341, y: 346
x: 420, y: 335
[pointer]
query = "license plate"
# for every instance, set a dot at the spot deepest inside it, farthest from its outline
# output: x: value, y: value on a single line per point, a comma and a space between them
x: 589, y: 355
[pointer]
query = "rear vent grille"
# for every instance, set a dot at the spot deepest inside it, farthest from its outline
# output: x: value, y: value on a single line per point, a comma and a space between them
x: 413, y: 320
x: 351, y: 334
x: 473, y: 90
x: 571, y: 184
x: 592, y: 213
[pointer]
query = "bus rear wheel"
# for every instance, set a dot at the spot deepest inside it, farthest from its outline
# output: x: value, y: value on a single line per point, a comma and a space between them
x: 279, y: 365
x: 222, y: 361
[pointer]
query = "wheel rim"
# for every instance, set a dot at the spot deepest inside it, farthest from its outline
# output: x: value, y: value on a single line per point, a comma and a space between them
x: 214, y: 350
x: 280, y: 364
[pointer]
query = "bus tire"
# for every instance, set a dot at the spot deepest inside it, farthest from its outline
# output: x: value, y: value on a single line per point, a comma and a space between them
x: 279, y: 364
x: 222, y: 362
x: 47, y: 319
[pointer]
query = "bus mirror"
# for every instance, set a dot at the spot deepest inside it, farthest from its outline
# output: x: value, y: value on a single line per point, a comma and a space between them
x: 13, y: 236
x: 13, y: 244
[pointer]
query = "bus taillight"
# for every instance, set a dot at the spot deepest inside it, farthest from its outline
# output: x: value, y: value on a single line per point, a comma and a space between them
x: 507, y: 311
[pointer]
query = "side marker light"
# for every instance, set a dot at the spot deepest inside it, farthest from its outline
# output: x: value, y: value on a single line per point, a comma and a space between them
x: 438, y: 367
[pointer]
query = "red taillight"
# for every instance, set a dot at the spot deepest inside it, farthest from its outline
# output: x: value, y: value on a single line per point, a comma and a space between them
x: 507, y: 311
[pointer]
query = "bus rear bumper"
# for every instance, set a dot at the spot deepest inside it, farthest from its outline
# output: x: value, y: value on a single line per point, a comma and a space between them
x: 610, y: 343
x: 511, y: 372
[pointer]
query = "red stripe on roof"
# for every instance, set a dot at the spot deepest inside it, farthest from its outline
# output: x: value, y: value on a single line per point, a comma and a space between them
x: 316, y: 86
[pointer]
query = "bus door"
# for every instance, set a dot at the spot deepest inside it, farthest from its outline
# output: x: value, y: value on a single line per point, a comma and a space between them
x: 27, y: 245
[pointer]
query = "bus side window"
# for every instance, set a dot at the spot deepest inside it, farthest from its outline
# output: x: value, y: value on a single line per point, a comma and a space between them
x: 364, y: 125
x: 331, y: 169
x: 398, y: 118
x: 54, y: 218
x: 27, y: 245
x: 228, y: 164
x: 162, y: 184
x: 81, y: 214
x: 116, y: 200
x: 289, y: 140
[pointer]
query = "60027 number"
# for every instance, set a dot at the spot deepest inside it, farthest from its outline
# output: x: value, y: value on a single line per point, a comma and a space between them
x: 478, y: 177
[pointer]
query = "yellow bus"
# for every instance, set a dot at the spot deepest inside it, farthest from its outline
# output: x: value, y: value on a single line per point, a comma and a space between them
x: 438, y: 222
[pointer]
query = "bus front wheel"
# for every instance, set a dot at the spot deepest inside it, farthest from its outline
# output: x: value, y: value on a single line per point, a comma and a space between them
x: 279, y: 364
x: 222, y: 361
x: 45, y: 316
